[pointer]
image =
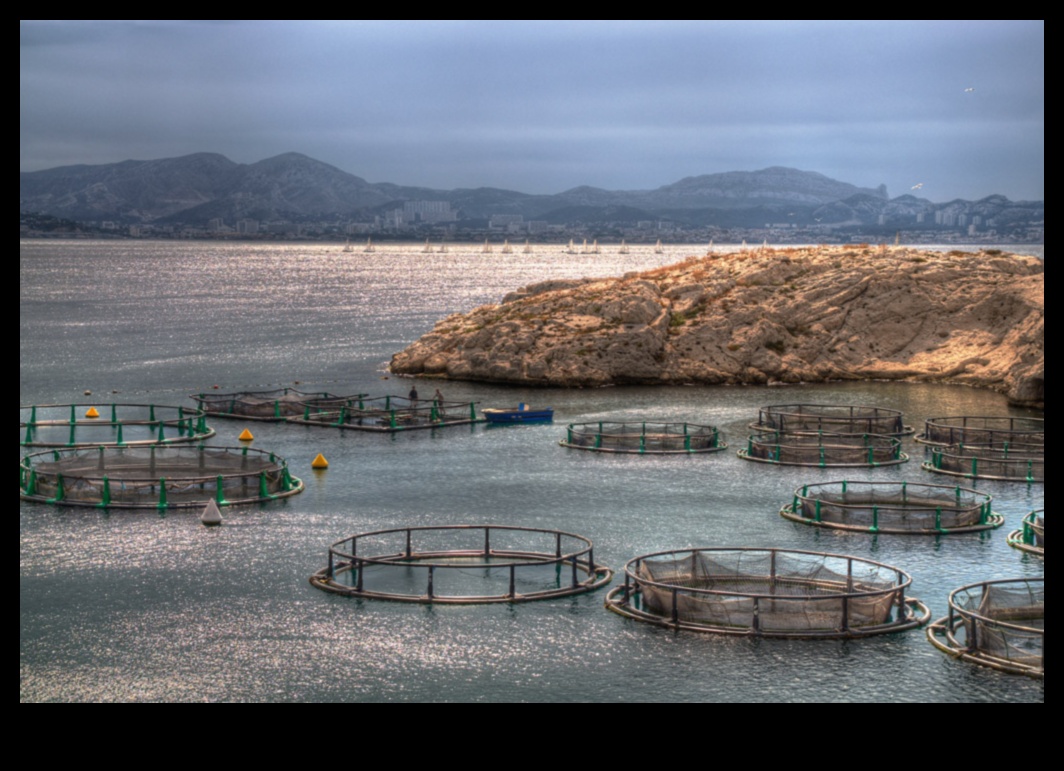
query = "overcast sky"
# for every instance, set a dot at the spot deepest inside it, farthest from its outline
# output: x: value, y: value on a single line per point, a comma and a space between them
x: 544, y: 106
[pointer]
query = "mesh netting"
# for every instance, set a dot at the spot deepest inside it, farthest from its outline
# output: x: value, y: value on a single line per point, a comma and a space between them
x: 1008, y: 462
x: 767, y: 592
x: 1001, y: 624
x: 831, y: 418
x: 70, y: 425
x: 155, y: 477
x: 642, y: 437
x: 893, y: 508
x: 462, y: 565
x: 386, y: 413
x: 984, y: 431
x: 1038, y: 529
x: 257, y: 405
x: 824, y: 450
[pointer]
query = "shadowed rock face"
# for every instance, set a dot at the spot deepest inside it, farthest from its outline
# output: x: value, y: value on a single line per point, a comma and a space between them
x: 789, y: 315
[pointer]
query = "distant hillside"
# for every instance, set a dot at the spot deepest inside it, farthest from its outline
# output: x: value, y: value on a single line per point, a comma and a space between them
x: 195, y: 189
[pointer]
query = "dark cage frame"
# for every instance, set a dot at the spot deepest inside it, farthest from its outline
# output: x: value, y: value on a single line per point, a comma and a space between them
x: 265, y: 406
x: 386, y: 414
x: 1001, y: 463
x: 893, y: 508
x: 645, y: 437
x: 1031, y: 537
x: 155, y: 477
x: 824, y: 450
x: 832, y: 419
x: 119, y: 425
x: 487, y: 548
x: 1006, y: 636
x: 771, y: 593
x: 979, y: 430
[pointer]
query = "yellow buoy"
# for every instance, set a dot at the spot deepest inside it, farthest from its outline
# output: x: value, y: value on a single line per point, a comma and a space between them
x: 320, y: 464
x: 247, y: 436
x: 92, y: 414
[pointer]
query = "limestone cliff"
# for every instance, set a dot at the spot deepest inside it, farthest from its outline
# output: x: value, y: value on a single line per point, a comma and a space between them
x: 788, y: 315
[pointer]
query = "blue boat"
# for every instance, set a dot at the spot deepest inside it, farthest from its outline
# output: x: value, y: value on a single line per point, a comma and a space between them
x: 519, y: 414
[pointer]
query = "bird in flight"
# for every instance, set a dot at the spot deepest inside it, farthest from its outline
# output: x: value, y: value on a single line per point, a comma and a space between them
x: 917, y: 186
x: 969, y: 90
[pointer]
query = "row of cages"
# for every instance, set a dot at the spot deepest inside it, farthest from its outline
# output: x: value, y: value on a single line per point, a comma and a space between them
x: 750, y: 592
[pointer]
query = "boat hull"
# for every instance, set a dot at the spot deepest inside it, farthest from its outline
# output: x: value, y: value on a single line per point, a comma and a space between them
x: 519, y: 416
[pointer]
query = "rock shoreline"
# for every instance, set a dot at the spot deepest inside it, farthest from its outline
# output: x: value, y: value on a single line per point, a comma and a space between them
x: 761, y: 316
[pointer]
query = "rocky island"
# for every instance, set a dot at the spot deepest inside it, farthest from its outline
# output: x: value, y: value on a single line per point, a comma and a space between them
x: 763, y: 316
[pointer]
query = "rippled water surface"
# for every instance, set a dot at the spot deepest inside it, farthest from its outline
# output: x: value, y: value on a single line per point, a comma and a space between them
x: 128, y: 606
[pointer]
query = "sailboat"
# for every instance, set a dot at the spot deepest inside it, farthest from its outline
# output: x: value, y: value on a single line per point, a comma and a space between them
x: 347, y: 247
x: 528, y: 248
x: 659, y: 249
x: 743, y: 247
x: 428, y: 247
x: 584, y: 250
x: 370, y: 248
x: 624, y: 248
x: 443, y: 248
x: 595, y: 248
x: 710, y: 249
x: 506, y: 248
x: 487, y: 247
x: 572, y: 247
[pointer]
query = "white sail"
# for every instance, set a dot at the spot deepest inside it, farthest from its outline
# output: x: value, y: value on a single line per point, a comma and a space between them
x: 369, y: 246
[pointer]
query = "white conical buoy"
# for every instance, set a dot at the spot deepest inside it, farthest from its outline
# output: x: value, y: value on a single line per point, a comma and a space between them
x: 211, y: 516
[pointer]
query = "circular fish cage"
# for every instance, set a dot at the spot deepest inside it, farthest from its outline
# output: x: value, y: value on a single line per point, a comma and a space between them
x: 767, y: 593
x: 268, y: 406
x: 645, y: 438
x: 462, y: 565
x: 989, y: 432
x: 1030, y: 538
x: 998, y: 624
x: 831, y: 419
x: 1007, y: 463
x: 824, y: 450
x: 387, y: 414
x: 891, y: 508
x: 115, y: 425
x: 157, y: 477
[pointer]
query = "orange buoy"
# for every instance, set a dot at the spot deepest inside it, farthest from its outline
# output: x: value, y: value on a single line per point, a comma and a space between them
x: 319, y: 463
x: 92, y: 414
x: 247, y: 436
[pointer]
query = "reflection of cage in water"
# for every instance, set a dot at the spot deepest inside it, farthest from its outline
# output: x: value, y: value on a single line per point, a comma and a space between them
x: 998, y: 624
x: 117, y: 425
x: 1005, y: 463
x: 387, y: 414
x: 831, y: 418
x: 893, y: 508
x: 991, y: 432
x: 257, y: 405
x: 824, y: 450
x: 767, y: 593
x: 464, y: 564
x: 158, y: 477
x: 1031, y: 538
x: 640, y: 437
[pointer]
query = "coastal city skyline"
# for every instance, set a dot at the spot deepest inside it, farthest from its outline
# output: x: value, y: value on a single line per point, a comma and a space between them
x: 946, y: 109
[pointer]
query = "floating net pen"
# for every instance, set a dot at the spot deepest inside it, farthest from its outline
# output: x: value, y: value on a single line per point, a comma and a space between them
x: 824, y: 450
x: 257, y: 405
x: 997, y: 624
x: 386, y: 414
x: 462, y: 565
x: 831, y: 418
x: 1031, y: 537
x: 991, y: 432
x: 113, y: 425
x: 892, y: 508
x: 1004, y: 463
x: 767, y: 593
x: 645, y: 438
x: 166, y: 477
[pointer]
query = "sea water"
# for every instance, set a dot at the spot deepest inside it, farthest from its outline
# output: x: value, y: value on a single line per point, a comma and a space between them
x: 138, y: 606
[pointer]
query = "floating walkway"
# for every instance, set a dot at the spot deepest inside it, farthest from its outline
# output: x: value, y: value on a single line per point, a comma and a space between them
x: 645, y: 438
x: 832, y: 419
x: 462, y: 565
x: 114, y: 425
x: 824, y: 450
x: 155, y: 477
x: 386, y: 414
x: 767, y: 593
x: 1031, y: 538
x: 891, y: 508
x: 267, y: 406
x: 997, y: 624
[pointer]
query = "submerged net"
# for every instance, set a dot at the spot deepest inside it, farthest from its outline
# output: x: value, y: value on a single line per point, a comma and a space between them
x: 984, y: 431
x: 385, y: 413
x: 824, y: 450
x: 645, y: 437
x: 1008, y: 462
x: 1004, y: 621
x: 160, y: 477
x: 832, y: 418
x: 257, y: 405
x: 770, y: 591
x: 1038, y: 528
x: 70, y: 425
x: 894, y: 507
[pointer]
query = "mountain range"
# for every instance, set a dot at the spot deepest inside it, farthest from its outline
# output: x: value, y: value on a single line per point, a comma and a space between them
x: 194, y: 189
